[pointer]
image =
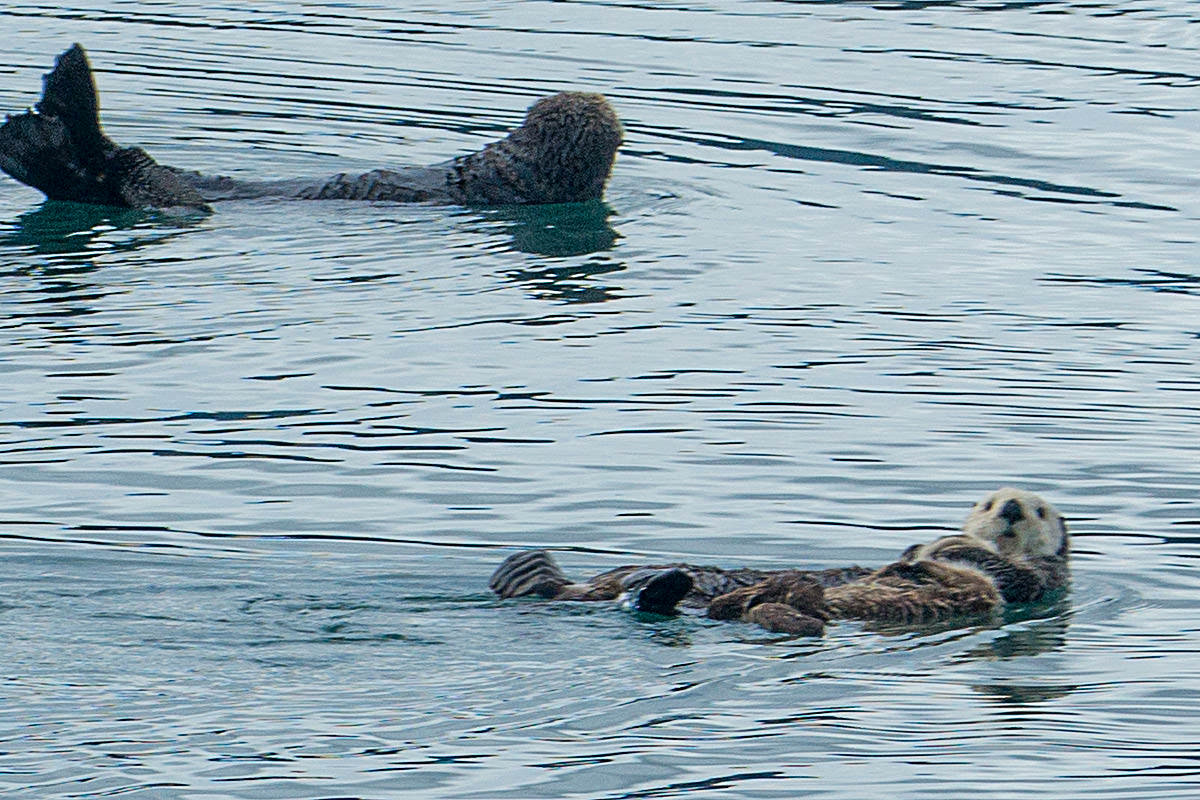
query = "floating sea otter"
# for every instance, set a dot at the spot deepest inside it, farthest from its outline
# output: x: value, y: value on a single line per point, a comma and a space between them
x: 562, y: 153
x: 1013, y: 549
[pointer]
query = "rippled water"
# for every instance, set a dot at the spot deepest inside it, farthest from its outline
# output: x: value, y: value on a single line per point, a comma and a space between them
x: 859, y: 264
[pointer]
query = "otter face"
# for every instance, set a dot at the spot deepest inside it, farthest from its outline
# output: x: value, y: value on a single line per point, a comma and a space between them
x: 1018, y: 524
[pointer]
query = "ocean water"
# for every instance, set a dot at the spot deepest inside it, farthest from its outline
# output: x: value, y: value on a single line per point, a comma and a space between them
x: 859, y: 264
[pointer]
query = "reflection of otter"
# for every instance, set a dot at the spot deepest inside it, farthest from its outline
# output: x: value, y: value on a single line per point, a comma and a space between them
x: 562, y: 153
x: 1013, y: 549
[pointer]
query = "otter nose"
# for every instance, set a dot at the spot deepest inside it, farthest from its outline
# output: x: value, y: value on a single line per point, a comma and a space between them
x: 1011, y: 511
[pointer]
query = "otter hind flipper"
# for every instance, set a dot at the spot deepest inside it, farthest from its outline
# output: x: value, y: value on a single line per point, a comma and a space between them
x: 60, y: 149
x: 531, y: 572
x: 662, y: 592
x: 33, y: 150
x: 69, y: 93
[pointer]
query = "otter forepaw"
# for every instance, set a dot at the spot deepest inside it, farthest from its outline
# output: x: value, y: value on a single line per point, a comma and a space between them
x: 782, y: 618
x: 801, y: 594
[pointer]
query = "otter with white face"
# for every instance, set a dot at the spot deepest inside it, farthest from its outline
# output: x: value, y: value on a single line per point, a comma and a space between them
x: 1018, y: 524
x: 1012, y: 523
x: 1013, y: 549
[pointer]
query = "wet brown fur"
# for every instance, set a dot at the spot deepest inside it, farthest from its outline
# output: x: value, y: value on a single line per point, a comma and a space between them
x: 1013, y: 549
x: 563, y: 152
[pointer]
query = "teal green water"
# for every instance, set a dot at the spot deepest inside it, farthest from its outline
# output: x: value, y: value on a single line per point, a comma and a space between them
x: 859, y: 264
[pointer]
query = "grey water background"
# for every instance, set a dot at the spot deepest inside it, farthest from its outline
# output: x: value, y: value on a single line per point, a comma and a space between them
x: 859, y: 264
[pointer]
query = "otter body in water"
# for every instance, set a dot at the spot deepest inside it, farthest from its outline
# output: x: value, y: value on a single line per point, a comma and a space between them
x: 1013, y: 549
x: 562, y: 153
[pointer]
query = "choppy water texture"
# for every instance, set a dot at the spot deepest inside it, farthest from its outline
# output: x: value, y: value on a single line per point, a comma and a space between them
x: 859, y: 264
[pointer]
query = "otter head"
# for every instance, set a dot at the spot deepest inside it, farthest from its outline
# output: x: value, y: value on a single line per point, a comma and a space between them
x: 565, y: 148
x: 1018, y: 524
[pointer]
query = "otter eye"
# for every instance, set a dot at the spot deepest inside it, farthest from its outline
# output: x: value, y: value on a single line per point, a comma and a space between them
x: 987, y: 506
x: 1041, y: 512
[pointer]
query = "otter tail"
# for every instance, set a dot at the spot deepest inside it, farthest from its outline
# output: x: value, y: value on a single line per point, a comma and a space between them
x: 60, y: 149
x: 532, y: 572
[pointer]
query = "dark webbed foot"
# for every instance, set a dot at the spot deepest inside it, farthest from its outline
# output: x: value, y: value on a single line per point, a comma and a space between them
x: 61, y: 150
x: 662, y: 593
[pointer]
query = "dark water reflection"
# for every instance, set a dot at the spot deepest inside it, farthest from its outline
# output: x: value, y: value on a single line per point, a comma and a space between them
x: 256, y: 467
x: 57, y: 228
x: 570, y: 229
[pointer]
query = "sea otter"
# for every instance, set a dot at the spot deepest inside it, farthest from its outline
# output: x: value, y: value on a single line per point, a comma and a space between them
x: 1013, y: 549
x: 562, y: 153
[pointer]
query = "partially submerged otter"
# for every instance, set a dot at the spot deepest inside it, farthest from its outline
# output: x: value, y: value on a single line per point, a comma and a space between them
x: 562, y: 153
x: 1013, y: 549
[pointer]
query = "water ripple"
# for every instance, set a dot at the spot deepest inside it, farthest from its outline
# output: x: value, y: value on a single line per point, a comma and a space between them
x: 859, y: 263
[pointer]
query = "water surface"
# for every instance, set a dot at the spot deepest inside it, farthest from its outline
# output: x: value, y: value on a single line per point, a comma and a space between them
x: 859, y: 264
